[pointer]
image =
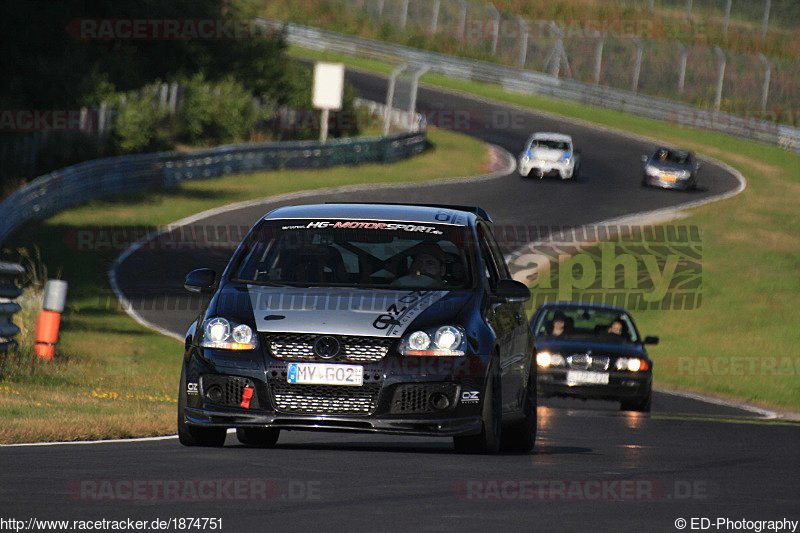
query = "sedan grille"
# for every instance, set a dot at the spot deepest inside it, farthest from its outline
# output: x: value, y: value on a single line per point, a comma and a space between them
x: 582, y: 361
x: 300, y: 347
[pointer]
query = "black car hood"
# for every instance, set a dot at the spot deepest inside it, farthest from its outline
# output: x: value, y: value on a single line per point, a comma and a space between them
x: 340, y: 311
x: 598, y: 347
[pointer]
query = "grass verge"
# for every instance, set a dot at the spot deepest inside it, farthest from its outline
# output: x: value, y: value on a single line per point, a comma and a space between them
x: 742, y: 342
x: 114, y: 378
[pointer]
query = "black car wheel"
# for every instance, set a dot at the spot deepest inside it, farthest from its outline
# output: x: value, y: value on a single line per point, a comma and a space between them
x: 521, y: 436
x: 258, y: 437
x: 488, y: 440
x: 641, y: 405
x: 192, y: 435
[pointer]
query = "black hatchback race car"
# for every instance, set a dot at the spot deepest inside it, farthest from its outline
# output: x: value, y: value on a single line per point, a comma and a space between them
x: 362, y: 317
x: 592, y: 352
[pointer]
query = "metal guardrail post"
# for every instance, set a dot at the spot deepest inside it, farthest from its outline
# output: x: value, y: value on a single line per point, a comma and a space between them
x: 598, y: 56
x: 727, y: 18
x: 523, y: 46
x: 9, y: 291
x: 434, y: 16
x: 637, y: 66
x: 390, y: 97
x: 682, y: 67
x: 412, y: 107
x: 765, y: 87
x: 495, y: 26
x: 462, y: 18
x: 720, y: 76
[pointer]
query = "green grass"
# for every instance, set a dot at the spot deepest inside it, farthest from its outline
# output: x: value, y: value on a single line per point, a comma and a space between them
x: 751, y: 259
x: 112, y: 377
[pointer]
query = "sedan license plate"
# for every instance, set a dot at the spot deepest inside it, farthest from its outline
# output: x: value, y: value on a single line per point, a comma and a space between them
x: 582, y: 377
x: 669, y: 178
x: 325, y: 374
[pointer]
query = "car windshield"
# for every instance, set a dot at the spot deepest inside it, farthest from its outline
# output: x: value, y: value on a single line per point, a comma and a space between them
x: 355, y: 253
x: 586, y: 324
x: 678, y: 157
x: 551, y: 144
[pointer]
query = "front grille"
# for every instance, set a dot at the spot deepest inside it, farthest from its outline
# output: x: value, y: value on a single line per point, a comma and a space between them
x: 227, y: 390
x: 324, y: 399
x: 581, y: 361
x: 416, y: 397
x: 300, y: 347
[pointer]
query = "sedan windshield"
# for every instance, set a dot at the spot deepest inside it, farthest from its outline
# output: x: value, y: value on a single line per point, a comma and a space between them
x: 355, y: 253
x: 586, y: 324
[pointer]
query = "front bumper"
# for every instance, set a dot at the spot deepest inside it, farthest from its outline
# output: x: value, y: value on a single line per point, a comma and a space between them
x: 620, y: 386
x: 545, y: 168
x: 412, y: 396
x: 656, y: 181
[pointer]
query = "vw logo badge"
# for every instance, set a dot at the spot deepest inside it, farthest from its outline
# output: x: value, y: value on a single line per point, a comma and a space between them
x: 327, y: 347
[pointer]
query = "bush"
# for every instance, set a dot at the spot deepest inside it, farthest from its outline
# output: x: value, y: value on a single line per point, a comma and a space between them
x: 142, y: 124
x: 216, y: 113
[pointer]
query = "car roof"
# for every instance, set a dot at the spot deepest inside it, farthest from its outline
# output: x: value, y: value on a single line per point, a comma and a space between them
x: 578, y: 305
x: 552, y: 136
x: 417, y: 213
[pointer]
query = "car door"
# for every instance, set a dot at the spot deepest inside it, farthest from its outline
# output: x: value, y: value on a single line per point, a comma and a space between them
x: 507, y: 320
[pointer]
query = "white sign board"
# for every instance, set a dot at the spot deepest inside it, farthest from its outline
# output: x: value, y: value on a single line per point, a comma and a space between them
x: 328, y: 86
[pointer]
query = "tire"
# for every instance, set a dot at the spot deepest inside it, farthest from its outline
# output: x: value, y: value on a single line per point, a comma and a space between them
x: 576, y: 173
x: 520, y: 436
x: 641, y: 405
x: 488, y: 440
x: 193, y: 435
x: 258, y: 437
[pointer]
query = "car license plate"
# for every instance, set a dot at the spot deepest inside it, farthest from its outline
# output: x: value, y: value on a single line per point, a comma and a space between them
x: 582, y: 377
x: 325, y: 374
x: 669, y: 178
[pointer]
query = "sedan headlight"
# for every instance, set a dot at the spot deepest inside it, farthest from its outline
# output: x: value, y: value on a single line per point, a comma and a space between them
x: 443, y: 341
x: 631, y: 364
x: 221, y: 333
x: 546, y: 359
x: 682, y: 174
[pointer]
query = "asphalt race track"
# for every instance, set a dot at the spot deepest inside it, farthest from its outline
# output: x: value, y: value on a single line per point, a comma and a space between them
x: 593, y: 468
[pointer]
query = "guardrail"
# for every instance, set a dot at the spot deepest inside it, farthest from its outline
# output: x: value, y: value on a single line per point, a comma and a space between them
x: 531, y: 82
x: 53, y: 192
x: 9, y: 290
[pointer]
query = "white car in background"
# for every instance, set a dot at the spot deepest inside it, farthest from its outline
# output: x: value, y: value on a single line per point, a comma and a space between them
x: 549, y: 154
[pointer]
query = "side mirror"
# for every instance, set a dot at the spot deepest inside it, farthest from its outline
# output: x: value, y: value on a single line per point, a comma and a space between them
x: 509, y: 290
x: 202, y: 280
x: 650, y: 340
x: 644, y: 159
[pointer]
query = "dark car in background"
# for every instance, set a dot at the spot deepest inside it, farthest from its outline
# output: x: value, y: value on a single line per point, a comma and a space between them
x: 592, y: 352
x: 399, y: 319
x: 669, y: 168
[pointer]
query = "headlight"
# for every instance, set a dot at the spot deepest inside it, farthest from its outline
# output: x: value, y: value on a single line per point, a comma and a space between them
x: 545, y: 359
x: 683, y: 174
x: 566, y: 158
x: 631, y: 364
x: 652, y: 171
x: 220, y: 333
x: 443, y: 341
